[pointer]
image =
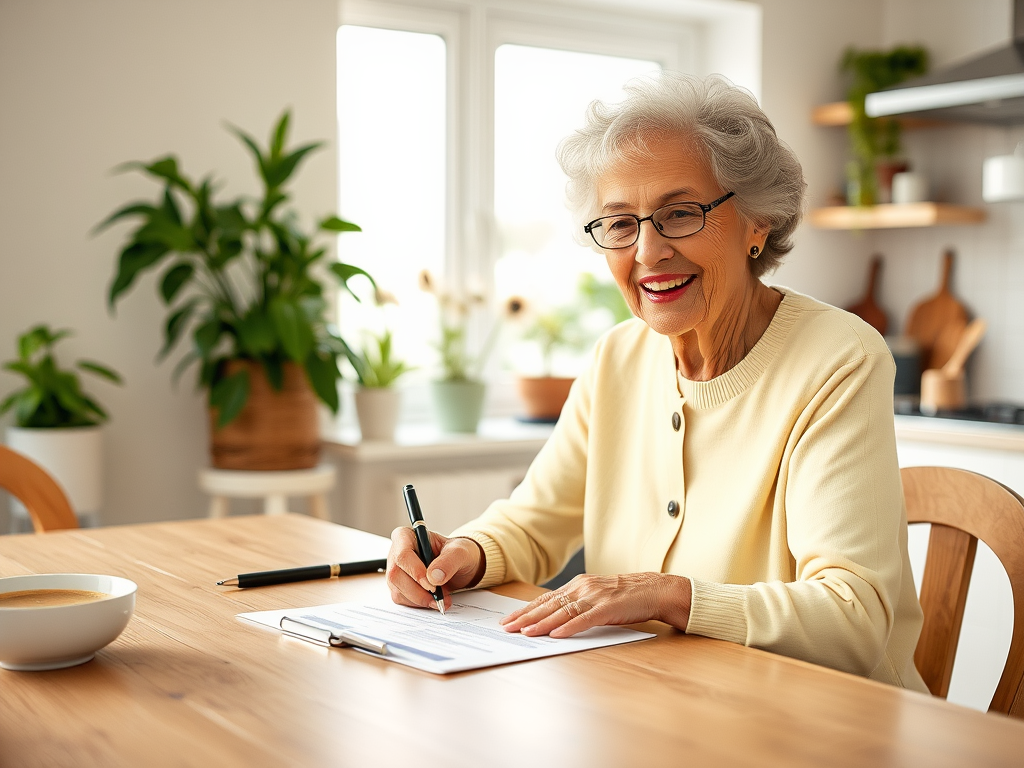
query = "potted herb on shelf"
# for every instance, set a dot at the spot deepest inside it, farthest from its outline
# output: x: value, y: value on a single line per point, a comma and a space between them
x: 377, y: 398
x: 58, y: 425
x: 242, y: 279
x: 875, y: 141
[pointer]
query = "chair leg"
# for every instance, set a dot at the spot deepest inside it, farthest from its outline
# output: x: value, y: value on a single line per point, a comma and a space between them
x: 275, y: 504
x: 318, y: 506
x: 218, y: 506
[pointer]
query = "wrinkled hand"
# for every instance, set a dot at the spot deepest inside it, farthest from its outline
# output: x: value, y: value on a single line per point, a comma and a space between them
x: 457, y: 563
x: 594, y: 601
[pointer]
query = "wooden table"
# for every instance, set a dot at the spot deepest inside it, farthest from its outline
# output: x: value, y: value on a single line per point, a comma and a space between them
x: 188, y: 684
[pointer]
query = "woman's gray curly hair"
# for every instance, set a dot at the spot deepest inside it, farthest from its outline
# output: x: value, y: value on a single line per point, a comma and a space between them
x: 736, y: 137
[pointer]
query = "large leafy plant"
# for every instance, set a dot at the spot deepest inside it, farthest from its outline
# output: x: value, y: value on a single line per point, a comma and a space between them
x: 239, y: 276
x: 53, y: 396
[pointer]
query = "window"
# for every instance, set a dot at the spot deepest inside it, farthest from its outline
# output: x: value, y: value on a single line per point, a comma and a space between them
x: 392, y: 173
x: 449, y: 115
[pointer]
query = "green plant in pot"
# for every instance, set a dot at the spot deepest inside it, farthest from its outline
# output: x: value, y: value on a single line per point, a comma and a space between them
x: 875, y: 140
x: 596, y: 306
x: 459, y: 394
x: 377, y: 398
x: 57, y: 423
x: 245, y: 283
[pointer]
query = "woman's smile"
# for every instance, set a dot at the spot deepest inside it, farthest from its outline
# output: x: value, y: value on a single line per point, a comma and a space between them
x: 665, y: 288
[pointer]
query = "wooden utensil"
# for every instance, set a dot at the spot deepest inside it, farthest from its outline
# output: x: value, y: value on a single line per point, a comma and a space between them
x: 866, y: 309
x: 937, y: 323
x: 943, y: 389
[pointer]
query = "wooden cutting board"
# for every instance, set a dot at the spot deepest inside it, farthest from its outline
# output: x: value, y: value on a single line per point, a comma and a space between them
x: 938, y: 322
x: 866, y: 309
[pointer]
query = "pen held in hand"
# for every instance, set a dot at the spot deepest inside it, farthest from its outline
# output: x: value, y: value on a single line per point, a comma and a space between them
x: 306, y: 573
x: 426, y: 552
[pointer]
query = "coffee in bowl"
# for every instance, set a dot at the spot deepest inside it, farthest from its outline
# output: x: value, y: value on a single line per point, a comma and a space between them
x: 56, y: 620
x: 42, y: 598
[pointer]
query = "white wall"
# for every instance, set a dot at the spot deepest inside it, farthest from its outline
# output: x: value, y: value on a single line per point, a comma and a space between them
x: 85, y: 85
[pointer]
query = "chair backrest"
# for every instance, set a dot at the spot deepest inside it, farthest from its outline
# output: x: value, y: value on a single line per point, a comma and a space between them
x: 32, y: 486
x: 963, y: 507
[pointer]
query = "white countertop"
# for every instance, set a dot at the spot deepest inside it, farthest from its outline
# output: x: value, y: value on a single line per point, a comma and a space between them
x: 974, y: 434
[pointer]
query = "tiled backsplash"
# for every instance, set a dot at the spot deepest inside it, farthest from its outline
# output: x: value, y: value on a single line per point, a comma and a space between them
x: 988, y: 275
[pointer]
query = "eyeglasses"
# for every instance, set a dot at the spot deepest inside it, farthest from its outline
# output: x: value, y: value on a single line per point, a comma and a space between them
x: 673, y: 221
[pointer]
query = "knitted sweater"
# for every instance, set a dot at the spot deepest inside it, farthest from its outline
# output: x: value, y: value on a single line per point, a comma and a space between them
x: 778, y: 495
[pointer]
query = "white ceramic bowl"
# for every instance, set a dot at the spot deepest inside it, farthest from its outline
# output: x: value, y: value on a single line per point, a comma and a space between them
x: 58, y: 636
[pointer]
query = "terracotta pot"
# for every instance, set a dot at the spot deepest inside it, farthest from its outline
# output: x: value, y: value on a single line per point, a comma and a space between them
x: 544, y: 396
x: 275, y: 430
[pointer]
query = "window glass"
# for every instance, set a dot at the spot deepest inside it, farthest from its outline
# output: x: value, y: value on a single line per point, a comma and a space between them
x: 392, y: 166
x: 540, y: 97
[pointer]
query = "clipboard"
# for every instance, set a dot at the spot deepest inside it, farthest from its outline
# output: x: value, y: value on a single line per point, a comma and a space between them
x: 321, y: 635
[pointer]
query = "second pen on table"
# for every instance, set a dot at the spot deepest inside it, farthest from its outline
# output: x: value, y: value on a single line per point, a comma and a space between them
x: 422, y: 538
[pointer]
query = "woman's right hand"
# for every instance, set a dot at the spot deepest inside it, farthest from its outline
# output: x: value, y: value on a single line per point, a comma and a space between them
x: 458, y: 563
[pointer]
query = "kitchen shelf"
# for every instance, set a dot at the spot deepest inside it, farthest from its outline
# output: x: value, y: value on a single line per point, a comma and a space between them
x: 895, y: 216
x: 840, y: 113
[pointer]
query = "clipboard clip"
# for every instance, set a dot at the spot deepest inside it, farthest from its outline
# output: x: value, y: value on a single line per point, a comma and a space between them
x: 315, y: 633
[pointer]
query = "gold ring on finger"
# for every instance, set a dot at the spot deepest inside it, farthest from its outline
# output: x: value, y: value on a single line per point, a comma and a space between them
x: 563, y: 600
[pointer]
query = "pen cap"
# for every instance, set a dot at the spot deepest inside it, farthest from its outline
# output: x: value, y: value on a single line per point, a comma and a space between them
x: 412, y: 504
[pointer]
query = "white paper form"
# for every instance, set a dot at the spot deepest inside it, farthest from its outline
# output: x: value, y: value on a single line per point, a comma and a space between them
x: 467, y: 637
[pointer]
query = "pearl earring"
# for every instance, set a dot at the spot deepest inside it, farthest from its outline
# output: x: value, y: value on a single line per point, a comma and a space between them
x: 754, y: 251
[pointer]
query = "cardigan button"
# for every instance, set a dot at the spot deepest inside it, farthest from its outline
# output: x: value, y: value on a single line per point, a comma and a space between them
x: 676, y: 421
x: 673, y: 508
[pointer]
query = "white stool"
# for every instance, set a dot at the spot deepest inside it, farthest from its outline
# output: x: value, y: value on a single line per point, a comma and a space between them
x: 272, y: 487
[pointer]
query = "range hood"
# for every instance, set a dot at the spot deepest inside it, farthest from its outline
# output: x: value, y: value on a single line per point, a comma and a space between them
x: 989, y: 89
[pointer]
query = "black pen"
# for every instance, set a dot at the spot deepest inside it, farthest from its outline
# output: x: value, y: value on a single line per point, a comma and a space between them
x: 308, y: 573
x: 422, y: 538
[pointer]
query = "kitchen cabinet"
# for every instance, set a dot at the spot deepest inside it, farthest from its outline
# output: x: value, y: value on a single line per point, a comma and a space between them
x: 886, y: 216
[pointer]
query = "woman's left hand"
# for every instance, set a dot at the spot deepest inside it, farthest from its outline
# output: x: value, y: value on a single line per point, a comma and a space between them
x: 594, y: 601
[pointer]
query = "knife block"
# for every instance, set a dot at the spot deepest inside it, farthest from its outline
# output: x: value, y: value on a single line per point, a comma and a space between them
x: 940, y: 392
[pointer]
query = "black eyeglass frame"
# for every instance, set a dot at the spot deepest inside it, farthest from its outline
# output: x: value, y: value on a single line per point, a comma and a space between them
x: 705, y: 209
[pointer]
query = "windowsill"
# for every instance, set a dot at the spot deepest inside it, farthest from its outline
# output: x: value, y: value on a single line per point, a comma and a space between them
x: 497, y: 436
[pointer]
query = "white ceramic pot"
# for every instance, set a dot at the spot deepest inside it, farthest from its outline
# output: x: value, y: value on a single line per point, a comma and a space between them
x: 377, y: 409
x: 73, y: 456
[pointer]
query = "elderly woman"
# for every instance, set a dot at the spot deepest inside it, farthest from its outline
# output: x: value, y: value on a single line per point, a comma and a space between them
x: 728, y: 459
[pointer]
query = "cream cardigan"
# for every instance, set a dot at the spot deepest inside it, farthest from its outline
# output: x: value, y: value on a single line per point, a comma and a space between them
x: 789, y: 516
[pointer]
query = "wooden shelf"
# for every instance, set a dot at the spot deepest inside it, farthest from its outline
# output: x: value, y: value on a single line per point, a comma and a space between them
x: 895, y: 216
x: 839, y: 113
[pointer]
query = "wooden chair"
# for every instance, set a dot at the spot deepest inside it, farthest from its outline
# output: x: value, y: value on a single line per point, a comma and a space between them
x: 32, y: 486
x: 963, y: 507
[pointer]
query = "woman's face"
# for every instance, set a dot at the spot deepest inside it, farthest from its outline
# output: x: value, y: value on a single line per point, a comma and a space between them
x: 675, y: 285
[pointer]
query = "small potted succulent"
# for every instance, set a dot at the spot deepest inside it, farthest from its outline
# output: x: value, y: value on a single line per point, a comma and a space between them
x: 377, y: 399
x: 245, y: 282
x: 58, y: 425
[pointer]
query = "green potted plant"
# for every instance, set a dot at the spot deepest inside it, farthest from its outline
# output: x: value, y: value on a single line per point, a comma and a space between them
x: 459, y: 394
x: 377, y: 398
x: 58, y: 425
x: 596, y: 307
x: 875, y: 141
x: 242, y: 279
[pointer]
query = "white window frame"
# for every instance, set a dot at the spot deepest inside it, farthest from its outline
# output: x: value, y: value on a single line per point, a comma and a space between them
x: 699, y: 36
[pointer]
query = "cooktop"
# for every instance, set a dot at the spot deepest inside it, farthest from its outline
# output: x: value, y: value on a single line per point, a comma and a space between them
x: 993, y: 413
